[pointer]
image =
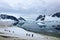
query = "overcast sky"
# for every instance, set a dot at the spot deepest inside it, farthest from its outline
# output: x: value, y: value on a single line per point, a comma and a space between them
x: 29, y: 8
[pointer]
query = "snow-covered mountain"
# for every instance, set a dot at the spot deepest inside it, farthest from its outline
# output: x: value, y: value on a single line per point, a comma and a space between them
x: 21, y: 18
x: 49, y: 21
x: 7, y: 20
x: 4, y: 16
x: 56, y: 14
x: 21, y: 21
x: 40, y: 17
x: 43, y: 16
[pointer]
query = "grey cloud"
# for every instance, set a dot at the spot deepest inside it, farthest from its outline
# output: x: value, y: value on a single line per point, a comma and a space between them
x: 34, y: 9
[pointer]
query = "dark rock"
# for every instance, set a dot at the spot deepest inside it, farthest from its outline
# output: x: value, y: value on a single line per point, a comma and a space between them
x: 56, y: 15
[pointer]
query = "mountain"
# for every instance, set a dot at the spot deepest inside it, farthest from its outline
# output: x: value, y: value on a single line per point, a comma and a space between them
x: 4, y: 16
x: 21, y: 19
x: 8, y: 19
x: 40, y: 17
x: 56, y: 14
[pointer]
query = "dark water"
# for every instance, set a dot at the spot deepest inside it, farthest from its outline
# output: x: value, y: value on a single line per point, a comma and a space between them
x: 33, y: 27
